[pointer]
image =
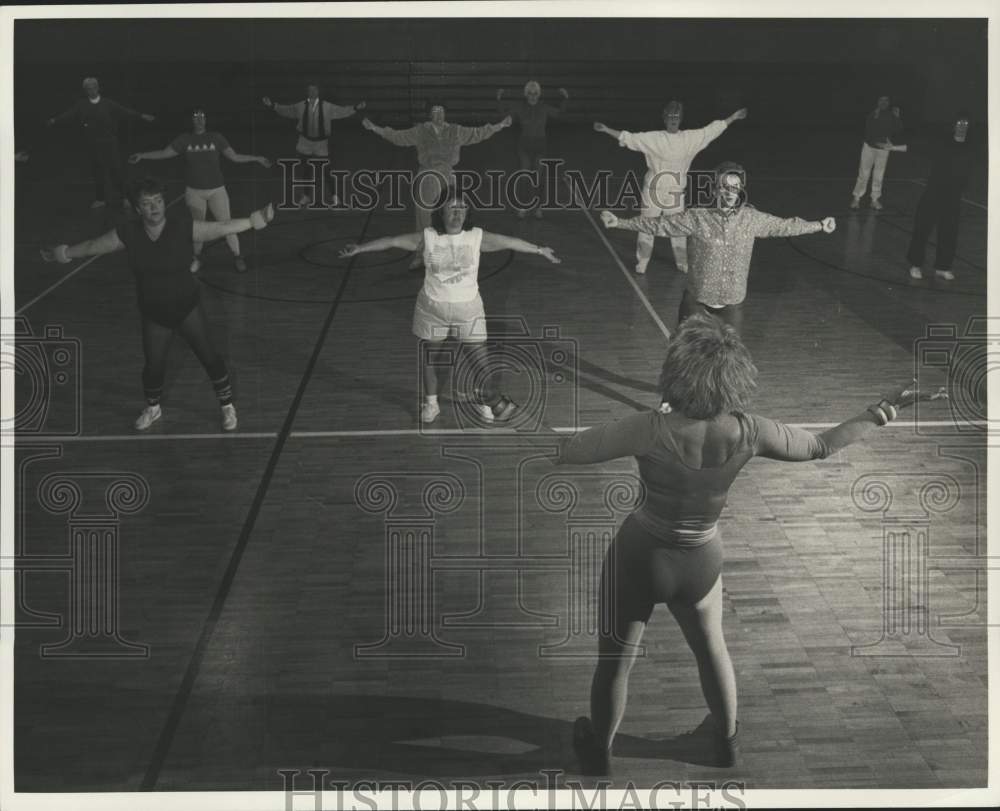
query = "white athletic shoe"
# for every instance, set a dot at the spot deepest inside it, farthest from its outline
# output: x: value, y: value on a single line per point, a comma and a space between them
x: 876, y: 205
x: 195, y: 265
x: 522, y: 213
x: 916, y: 273
x: 538, y: 213
x: 484, y: 411
x: 98, y: 204
x: 429, y: 411
x: 947, y: 275
x: 229, y: 421
x: 640, y: 267
x: 855, y: 203
x: 149, y: 415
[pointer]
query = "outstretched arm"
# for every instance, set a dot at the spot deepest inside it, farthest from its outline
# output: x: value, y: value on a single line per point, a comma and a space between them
x: 121, y: 109
x: 408, y: 242
x: 334, y: 111
x: 155, y: 155
x: 767, y: 225
x: 106, y: 243
x: 599, y: 127
x: 284, y: 110
x: 204, y: 231
x: 774, y: 440
x: 499, y: 242
x: 633, y: 436
x: 63, y: 116
x: 407, y: 137
x: 236, y: 157
x: 666, y: 225
x: 473, y: 135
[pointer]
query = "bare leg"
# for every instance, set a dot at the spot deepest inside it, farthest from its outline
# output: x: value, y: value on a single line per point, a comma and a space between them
x: 701, y: 624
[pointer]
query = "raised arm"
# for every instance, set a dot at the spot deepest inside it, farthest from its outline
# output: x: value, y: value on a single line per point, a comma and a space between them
x: 155, y: 155
x: 499, y: 242
x: 408, y: 242
x: 106, y: 243
x: 774, y: 440
x: 504, y: 107
x: 473, y: 135
x: 632, y: 436
x: 767, y: 225
x: 666, y: 225
x: 407, y: 137
x: 205, y: 231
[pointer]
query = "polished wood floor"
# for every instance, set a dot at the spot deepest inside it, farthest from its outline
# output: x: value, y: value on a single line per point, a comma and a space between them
x: 334, y: 587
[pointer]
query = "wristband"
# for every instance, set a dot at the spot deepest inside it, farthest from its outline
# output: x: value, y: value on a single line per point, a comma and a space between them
x: 888, y: 408
x: 880, y: 416
x: 61, y: 254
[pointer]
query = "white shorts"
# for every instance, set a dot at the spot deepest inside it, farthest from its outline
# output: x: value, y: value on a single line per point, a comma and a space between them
x: 313, y: 149
x: 436, y: 320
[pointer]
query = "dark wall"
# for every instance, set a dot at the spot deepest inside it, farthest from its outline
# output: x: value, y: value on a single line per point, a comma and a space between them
x: 793, y: 73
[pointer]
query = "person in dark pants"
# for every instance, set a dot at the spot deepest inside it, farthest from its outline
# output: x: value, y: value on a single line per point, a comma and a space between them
x: 941, y: 202
x: 159, y: 253
x: 669, y: 550
x: 100, y: 117
x: 721, y: 240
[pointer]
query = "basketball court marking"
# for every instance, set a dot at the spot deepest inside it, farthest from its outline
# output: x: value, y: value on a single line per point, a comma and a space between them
x: 404, y: 432
x: 73, y: 272
x: 621, y: 266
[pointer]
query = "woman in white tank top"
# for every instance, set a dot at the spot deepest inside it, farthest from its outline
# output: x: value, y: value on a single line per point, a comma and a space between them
x: 449, y: 304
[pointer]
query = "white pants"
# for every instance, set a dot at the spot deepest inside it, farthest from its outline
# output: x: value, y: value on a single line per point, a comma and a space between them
x: 644, y: 242
x: 217, y: 201
x: 873, y: 162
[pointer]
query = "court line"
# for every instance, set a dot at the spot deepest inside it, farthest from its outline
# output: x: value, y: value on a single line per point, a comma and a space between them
x: 628, y: 274
x: 165, y: 741
x: 388, y: 432
x: 963, y: 199
x: 73, y: 272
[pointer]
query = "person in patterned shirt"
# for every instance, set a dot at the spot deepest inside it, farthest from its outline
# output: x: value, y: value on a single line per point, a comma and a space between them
x: 205, y: 186
x: 668, y: 154
x: 449, y: 303
x: 721, y: 244
x: 439, y: 145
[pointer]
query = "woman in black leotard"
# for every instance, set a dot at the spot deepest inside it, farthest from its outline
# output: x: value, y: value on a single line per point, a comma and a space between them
x: 159, y: 252
x: 669, y: 550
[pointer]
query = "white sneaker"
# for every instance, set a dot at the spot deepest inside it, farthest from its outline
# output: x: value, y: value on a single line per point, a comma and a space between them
x: 640, y: 267
x: 947, y: 275
x: 522, y: 213
x: 876, y: 205
x: 195, y: 265
x: 229, y: 421
x: 855, y: 203
x: 682, y: 267
x: 149, y: 415
x: 98, y: 204
x: 484, y: 411
x: 538, y: 213
x: 916, y: 273
x: 429, y: 411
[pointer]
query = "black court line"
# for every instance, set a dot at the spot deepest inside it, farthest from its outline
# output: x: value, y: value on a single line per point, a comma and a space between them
x: 166, y: 739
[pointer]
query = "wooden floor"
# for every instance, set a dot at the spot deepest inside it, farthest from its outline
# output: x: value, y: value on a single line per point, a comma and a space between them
x: 335, y: 587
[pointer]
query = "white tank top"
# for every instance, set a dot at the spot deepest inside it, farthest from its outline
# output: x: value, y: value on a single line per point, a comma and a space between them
x: 451, y: 262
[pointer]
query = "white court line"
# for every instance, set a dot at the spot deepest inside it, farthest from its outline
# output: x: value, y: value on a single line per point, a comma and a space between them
x: 72, y: 273
x: 963, y: 199
x: 621, y: 266
x: 430, y: 432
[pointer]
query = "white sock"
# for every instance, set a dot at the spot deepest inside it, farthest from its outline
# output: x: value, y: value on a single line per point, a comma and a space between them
x: 432, y: 399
